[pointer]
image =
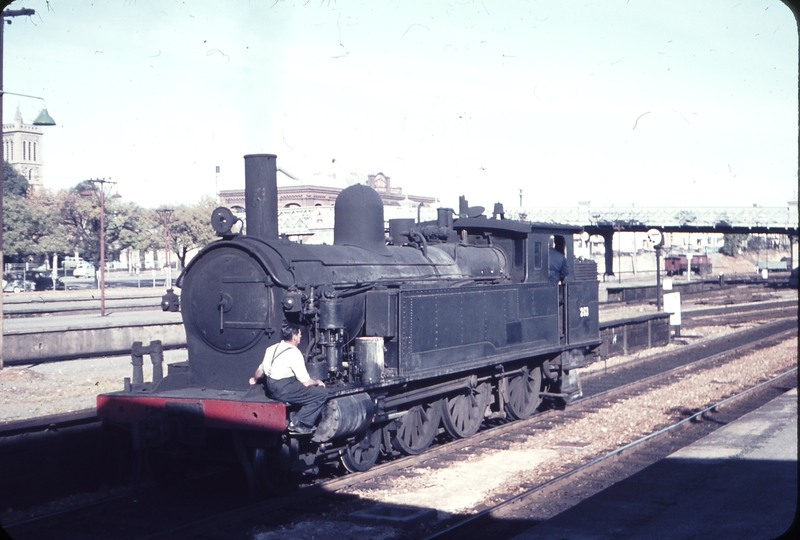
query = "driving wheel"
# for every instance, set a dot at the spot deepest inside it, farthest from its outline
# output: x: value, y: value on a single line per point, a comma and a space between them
x: 418, y: 427
x: 462, y: 414
x: 524, y: 393
x: 361, y: 455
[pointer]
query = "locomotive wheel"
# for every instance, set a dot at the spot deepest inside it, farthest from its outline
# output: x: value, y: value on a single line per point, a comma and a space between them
x: 361, y: 455
x: 462, y: 415
x: 418, y: 427
x: 523, y: 393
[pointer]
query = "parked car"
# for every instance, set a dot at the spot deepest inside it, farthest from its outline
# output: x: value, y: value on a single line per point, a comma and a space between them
x: 14, y: 282
x: 85, y: 270
x: 73, y: 262
x: 30, y: 280
x: 793, y: 278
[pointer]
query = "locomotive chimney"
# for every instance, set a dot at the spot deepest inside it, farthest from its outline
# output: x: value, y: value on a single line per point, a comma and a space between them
x: 261, y: 195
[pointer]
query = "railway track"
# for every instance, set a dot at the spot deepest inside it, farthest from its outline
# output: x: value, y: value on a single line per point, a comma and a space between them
x: 524, y: 510
x: 736, y: 288
x: 739, y: 314
x: 199, y: 512
x: 48, y: 303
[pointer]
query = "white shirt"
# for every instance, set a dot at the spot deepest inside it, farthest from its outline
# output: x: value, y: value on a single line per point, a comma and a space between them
x: 284, y: 360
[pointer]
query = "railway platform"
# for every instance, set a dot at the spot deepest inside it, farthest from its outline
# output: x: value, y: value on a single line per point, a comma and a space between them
x: 83, y: 335
x: 738, y: 482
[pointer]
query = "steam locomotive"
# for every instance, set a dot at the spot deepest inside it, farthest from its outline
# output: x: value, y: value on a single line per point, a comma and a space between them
x: 438, y: 325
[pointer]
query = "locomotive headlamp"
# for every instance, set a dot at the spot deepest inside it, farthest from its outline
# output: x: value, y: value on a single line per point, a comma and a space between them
x: 223, y: 220
x: 170, y: 301
x: 292, y: 302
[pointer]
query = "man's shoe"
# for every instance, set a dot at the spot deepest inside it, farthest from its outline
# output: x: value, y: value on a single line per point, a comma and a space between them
x: 300, y: 429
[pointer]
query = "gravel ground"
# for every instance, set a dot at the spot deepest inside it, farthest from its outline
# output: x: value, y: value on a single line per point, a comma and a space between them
x: 58, y: 387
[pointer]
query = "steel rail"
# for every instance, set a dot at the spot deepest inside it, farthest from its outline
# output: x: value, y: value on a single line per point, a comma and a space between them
x: 738, y: 317
x: 592, y: 464
x: 48, y: 423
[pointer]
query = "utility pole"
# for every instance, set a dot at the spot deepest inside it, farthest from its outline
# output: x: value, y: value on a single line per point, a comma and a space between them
x: 101, y: 194
x: 618, y: 228
x: 166, y: 214
x: 8, y: 13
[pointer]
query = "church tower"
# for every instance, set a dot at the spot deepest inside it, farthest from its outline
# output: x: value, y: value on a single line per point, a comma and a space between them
x: 22, y: 148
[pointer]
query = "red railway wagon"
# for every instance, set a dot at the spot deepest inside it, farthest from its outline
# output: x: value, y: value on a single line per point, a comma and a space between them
x: 679, y: 264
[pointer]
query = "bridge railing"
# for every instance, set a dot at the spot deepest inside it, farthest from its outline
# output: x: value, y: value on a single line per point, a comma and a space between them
x: 303, y: 220
x: 785, y: 217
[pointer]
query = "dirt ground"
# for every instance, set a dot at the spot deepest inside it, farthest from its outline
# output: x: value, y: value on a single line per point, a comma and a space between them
x: 744, y: 263
x: 36, y: 390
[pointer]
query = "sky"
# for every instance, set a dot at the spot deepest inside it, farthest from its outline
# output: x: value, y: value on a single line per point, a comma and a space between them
x: 615, y: 102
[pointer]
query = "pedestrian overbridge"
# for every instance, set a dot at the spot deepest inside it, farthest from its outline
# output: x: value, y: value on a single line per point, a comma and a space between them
x: 605, y: 221
x: 742, y: 220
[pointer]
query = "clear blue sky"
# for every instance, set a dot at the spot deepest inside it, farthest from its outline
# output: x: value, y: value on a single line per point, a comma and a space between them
x: 643, y: 102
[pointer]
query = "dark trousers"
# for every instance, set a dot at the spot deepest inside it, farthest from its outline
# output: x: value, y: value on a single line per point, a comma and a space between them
x: 290, y: 390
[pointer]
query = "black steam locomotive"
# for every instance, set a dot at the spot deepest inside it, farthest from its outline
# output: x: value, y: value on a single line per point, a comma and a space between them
x: 444, y: 323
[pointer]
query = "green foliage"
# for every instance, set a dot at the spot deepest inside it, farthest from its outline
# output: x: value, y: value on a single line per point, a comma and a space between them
x: 48, y: 232
x: 191, y: 228
x: 14, y: 184
x: 81, y: 216
x: 67, y: 223
x: 756, y: 242
x: 17, y: 218
x: 732, y: 244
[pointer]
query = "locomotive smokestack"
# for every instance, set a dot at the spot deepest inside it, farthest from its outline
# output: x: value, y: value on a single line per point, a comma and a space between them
x: 261, y: 195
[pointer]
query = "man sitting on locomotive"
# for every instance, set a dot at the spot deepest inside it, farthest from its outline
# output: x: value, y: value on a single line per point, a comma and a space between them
x: 288, y: 380
x: 559, y: 270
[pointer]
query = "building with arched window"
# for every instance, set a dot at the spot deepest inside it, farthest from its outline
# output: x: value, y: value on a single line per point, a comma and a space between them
x: 22, y: 148
x: 323, y: 190
x: 305, y: 210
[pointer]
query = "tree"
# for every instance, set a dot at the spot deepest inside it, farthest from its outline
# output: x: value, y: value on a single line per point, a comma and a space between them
x: 139, y: 235
x: 191, y: 228
x: 45, y: 233
x: 80, y: 215
x: 756, y: 242
x: 16, y: 214
x: 77, y: 218
x: 732, y: 244
x: 14, y: 184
